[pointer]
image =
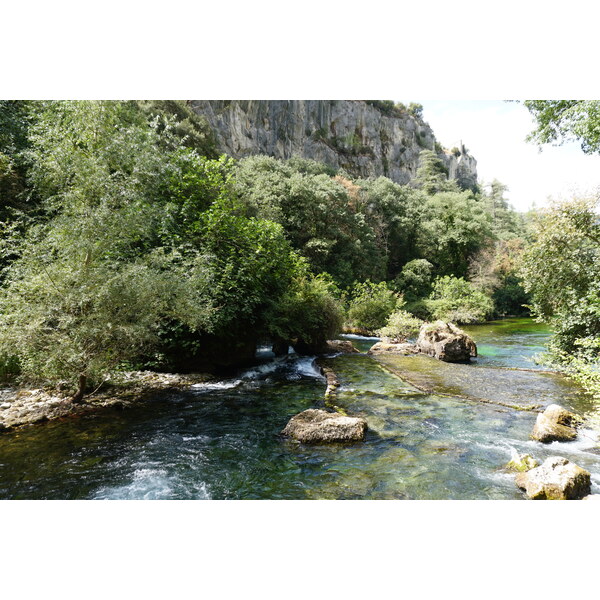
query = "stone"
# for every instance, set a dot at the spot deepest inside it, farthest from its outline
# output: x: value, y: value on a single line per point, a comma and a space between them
x: 314, y: 426
x: 521, y: 463
x: 391, y: 348
x: 555, y: 424
x: 445, y: 341
x: 556, y: 479
x: 344, y: 346
x: 354, y: 135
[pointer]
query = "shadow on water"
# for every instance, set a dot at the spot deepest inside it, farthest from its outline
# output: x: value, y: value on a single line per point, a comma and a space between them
x: 222, y: 440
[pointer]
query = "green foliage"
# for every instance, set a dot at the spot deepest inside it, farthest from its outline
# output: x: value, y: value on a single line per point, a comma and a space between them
x: 415, y: 279
x: 190, y: 128
x: 561, y: 121
x: 371, y: 305
x: 456, y: 300
x: 401, y: 325
x: 308, y: 311
x: 561, y: 271
x: 432, y: 174
x: 454, y: 227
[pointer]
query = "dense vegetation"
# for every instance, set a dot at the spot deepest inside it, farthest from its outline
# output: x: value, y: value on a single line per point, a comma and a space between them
x: 128, y: 242
x: 561, y: 265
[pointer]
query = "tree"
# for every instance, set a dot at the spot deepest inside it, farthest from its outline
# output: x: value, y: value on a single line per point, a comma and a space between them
x: 432, y: 174
x: 561, y: 271
x: 457, y: 300
x: 559, y: 121
x: 455, y: 225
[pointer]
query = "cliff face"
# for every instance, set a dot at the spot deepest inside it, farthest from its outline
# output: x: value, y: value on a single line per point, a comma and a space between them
x: 350, y: 134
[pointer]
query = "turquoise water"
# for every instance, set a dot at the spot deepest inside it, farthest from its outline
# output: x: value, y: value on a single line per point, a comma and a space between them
x: 222, y: 441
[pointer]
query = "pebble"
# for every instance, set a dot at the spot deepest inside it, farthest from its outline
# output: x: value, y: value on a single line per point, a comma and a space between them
x: 6, y: 405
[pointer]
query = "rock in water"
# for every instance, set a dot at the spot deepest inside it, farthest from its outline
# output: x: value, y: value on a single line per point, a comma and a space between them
x: 555, y: 424
x: 445, y: 341
x: 556, y: 479
x: 521, y: 462
x: 344, y: 346
x: 314, y: 426
x: 390, y: 348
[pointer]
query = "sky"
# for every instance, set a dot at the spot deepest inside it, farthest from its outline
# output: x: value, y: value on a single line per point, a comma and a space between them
x: 494, y: 132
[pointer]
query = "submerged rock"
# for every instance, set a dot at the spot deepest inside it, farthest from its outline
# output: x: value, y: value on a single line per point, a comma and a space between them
x: 445, y: 341
x: 556, y: 479
x: 391, y: 348
x: 555, y: 424
x: 521, y: 462
x: 314, y: 426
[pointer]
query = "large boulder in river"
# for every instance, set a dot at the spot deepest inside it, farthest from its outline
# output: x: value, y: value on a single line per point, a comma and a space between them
x: 555, y: 424
x: 445, y: 341
x: 314, y: 426
x: 556, y: 479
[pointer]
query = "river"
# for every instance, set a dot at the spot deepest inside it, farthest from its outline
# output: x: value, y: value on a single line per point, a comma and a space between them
x: 221, y: 441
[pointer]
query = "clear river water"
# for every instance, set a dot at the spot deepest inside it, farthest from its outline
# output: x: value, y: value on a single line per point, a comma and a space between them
x: 221, y: 440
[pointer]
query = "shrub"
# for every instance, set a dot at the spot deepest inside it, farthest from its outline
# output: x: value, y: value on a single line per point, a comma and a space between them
x: 454, y: 299
x: 371, y: 305
x: 400, y: 326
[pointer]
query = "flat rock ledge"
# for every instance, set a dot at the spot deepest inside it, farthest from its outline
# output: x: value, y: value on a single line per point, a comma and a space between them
x: 391, y: 348
x: 556, y: 479
x: 555, y: 424
x: 315, y: 426
x: 26, y: 406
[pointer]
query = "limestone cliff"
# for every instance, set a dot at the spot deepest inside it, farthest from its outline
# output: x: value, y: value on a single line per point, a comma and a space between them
x: 352, y: 134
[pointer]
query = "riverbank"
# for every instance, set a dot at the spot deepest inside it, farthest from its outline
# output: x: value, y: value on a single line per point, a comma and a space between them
x: 28, y: 406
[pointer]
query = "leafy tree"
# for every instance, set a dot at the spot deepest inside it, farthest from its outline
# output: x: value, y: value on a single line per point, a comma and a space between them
x: 454, y: 227
x: 454, y: 299
x: 432, y: 174
x: 308, y: 313
x: 401, y: 325
x: 415, y: 279
x: 561, y: 271
x: 560, y: 121
x: 371, y: 304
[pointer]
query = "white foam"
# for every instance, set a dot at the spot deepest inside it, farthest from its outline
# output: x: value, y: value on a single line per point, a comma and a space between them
x: 217, y: 385
x: 354, y: 336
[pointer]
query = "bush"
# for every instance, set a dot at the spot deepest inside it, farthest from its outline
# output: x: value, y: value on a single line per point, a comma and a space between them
x: 454, y: 299
x: 415, y: 279
x: 309, y: 312
x: 400, y: 326
x: 371, y: 305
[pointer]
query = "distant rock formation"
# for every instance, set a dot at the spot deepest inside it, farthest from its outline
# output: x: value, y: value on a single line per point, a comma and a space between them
x: 355, y: 135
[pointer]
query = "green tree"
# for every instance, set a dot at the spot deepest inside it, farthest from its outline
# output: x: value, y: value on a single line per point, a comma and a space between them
x: 371, y: 304
x: 561, y: 271
x: 454, y: 299
x: 432, y: 174
x: 559, y: 121
x: 455, y: 225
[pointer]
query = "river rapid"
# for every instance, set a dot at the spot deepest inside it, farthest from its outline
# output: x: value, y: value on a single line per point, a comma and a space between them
x: 221, y: 440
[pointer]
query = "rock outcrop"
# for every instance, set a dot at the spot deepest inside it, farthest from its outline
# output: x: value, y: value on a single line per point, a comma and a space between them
x: 445, y: 341
x: 314, y: 426
x: 555, y: 424
x: 556, y: 479
x: 391, y: 348
x: 356, y: 135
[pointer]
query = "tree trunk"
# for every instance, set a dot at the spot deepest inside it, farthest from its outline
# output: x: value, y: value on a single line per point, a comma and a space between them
x: 78, y: 397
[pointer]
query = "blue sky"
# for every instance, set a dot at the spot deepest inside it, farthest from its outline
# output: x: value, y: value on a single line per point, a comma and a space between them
x: 494, y: 132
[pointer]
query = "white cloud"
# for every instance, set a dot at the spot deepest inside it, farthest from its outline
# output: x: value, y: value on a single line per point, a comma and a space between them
x: 494, y: 132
